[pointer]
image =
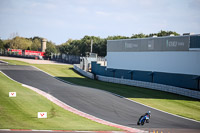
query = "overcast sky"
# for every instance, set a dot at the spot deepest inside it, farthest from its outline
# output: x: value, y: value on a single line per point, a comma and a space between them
x: 59, y: 20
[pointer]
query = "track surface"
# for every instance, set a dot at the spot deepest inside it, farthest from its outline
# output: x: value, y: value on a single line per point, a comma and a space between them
x: 98, y: 103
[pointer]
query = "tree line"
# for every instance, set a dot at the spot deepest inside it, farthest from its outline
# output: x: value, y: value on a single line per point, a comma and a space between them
x: 73, y: 47
x: 82, y: 47
x: 27, y: 44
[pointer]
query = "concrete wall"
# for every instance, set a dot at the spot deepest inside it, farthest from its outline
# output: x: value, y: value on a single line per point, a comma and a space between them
x: 84, y: 73
x: 173, y: 79
x: 182, y: 62
x: 155, y: 86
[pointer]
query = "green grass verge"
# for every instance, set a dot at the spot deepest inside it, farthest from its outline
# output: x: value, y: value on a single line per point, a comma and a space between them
x: 15, y: 62
x: 172, y: 103
x: 21, y: 112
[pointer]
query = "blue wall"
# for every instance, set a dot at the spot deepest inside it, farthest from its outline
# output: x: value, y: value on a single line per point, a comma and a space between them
x: 178, y: 80
x: 194, y: 41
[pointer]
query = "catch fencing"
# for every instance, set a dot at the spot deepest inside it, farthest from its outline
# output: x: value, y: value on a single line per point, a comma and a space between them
x: 65, y: 58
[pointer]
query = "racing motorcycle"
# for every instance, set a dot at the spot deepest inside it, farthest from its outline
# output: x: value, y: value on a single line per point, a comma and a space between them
x: 143, y: 119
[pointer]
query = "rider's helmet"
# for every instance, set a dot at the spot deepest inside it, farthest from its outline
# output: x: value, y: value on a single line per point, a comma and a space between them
x: 149, y: 112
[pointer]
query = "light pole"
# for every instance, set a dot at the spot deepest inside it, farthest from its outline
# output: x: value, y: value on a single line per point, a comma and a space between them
x: 91, y: 46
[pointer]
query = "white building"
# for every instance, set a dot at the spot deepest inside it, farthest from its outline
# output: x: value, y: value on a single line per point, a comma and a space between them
x: 170, y: 54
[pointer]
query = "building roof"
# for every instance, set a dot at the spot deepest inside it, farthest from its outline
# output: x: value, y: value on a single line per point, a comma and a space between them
x: 166, y: 43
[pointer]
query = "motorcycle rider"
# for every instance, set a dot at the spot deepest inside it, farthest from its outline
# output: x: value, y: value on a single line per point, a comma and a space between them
x: 149, y: 115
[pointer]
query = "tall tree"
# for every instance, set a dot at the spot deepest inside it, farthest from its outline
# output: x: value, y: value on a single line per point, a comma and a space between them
x: 116, y: 37
x: 36, y: 45
x: 19, y: 43
x: 164, y: 33
x: 51, y: 48
x: 141, y: 35
x: 1, y: 44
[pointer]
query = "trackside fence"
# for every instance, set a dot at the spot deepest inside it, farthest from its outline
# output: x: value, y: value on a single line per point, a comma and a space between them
x: 65, y: 58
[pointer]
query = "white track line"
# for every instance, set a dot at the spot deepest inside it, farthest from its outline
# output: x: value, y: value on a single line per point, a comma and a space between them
x: 3, y: 61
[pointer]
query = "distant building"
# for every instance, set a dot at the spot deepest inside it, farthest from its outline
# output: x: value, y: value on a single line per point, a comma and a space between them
x: 170, y: 54
x: 169, y: 60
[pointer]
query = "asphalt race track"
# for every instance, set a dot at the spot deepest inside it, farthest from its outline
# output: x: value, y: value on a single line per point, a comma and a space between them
x: 98, y: 103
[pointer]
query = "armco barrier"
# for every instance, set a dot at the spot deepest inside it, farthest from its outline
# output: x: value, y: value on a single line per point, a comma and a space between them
x: 155, y: 86
x: 86, y: 74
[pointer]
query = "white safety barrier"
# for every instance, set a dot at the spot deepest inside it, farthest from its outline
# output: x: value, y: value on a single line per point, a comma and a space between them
x: 86, y: 74
x: 155, y: 86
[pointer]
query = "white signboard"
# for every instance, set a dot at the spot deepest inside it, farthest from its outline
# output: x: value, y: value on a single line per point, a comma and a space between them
x: 42, y: 114
x: 12, y: 94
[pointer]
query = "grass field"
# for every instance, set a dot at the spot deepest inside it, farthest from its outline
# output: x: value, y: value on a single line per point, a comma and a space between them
x: 172, y: 103
x: 15, y: 62
x: 21, y: 112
